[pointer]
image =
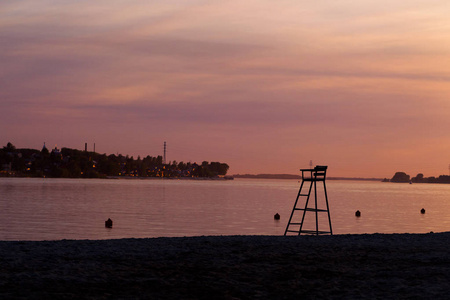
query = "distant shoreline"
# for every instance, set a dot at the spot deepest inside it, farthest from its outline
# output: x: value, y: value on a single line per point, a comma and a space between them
x: 168, y: 178
x: 298, y: 177
x: 226, y: 177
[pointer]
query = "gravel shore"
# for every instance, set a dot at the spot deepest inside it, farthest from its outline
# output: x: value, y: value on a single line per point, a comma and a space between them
x: 375, y: 266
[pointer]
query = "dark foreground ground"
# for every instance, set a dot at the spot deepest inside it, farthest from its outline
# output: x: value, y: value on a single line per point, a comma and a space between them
x: 380, y: 266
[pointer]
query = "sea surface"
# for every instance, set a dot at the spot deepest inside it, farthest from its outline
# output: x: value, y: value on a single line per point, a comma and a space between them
x: 55, y: 209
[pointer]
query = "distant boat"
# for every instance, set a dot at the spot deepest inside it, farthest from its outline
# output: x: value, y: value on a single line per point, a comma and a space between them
x: 228, y: 177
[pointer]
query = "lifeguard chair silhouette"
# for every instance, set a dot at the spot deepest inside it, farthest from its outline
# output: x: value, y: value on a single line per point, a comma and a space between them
x: 318, y: 174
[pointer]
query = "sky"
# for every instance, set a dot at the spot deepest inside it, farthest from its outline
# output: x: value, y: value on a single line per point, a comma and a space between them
x: 264, y: 86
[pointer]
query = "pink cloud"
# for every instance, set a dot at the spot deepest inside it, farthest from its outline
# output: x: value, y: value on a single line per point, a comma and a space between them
x: 263, y: 86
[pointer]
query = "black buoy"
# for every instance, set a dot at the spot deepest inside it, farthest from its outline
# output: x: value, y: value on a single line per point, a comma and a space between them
x: 276, y: 216
x: 358, y: 213
x: 108, y: 223
x: 422, y: 211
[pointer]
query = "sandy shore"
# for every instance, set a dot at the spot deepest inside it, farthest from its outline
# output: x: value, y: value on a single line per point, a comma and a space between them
x: 380, y: 266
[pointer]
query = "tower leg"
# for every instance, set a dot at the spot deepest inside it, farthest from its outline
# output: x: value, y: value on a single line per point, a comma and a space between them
x: 315, y: 207
x: 328, y: 208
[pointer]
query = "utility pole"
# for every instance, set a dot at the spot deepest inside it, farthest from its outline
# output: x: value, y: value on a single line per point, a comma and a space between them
x: 164, y: 152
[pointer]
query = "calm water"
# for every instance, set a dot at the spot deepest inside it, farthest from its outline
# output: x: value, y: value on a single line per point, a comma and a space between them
x: 49, y: 209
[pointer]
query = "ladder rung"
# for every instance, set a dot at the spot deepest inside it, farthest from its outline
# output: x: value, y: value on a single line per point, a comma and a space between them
x: 304, y: 195
x: 314, y: 231
x: 310, y: 209
x: 292, y: 231
x: 295, y: 223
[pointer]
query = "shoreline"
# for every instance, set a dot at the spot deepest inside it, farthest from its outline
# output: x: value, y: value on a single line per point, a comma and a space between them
x: 299, y: 177
x: 388, y: 266
x: 127, y: 178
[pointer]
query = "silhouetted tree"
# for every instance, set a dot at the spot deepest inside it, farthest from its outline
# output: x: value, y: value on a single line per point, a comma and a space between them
x: 400, y: 177
x: 9, y: 147
x: 418, y: 178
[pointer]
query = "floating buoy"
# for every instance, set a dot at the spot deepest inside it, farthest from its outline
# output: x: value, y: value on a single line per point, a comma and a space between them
x: 422, y: 211
x: 108, y: 223
x: 358, y: 213
x: 276, y: 216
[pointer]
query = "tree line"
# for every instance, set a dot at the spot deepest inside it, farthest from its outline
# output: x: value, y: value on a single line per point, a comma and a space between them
x: 419, y: 178
x: 73, y: 163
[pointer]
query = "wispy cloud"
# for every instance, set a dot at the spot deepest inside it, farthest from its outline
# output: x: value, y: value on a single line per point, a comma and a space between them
x: 332, y: 80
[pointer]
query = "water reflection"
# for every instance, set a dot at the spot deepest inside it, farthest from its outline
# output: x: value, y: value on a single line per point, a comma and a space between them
x: 37, y: 209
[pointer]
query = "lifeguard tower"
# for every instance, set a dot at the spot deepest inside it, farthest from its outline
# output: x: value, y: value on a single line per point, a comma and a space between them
x: 318, y: 174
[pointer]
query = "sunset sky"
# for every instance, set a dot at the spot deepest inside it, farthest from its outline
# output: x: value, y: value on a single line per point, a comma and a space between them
x: 265, y: 86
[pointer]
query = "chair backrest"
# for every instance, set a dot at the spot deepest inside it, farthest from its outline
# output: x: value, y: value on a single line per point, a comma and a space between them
x: 316, y: 174
x: 320, y: 171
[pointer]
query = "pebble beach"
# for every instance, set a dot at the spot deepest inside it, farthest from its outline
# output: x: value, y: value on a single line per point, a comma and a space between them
x: 368, y: 266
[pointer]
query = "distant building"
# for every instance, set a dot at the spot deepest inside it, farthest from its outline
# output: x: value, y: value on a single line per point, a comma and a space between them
x: 56, y: 151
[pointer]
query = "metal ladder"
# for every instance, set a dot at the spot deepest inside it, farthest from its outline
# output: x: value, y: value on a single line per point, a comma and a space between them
x: 312, y: 176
